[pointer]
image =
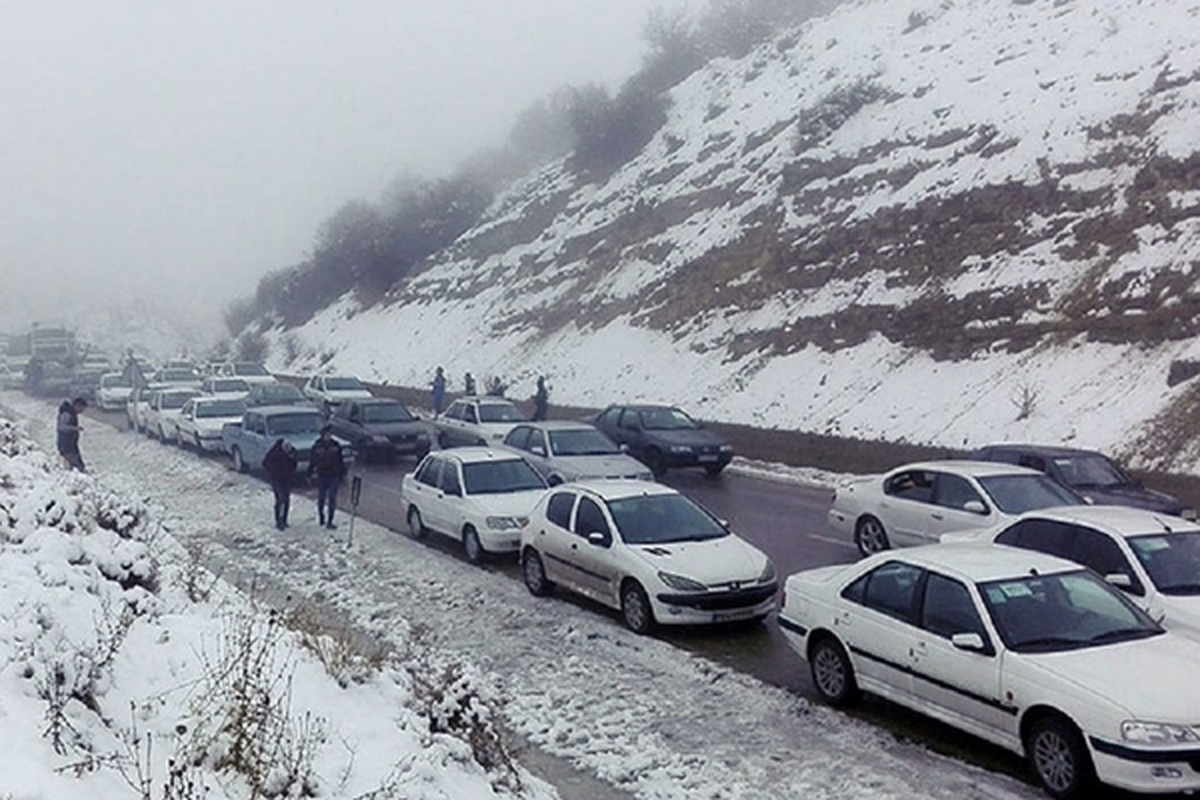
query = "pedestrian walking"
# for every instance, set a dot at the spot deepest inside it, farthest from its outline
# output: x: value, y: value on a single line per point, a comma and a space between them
x: 469, y: 384
x: 280, y: 464
x: 329, y: 466
x: 439, y: 391
x: 67, y: 430
x: 541, y: 399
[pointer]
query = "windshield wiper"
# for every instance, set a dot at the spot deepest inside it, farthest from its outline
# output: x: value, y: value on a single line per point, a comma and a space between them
x: 1122, y: 635
x: 1047, y: 642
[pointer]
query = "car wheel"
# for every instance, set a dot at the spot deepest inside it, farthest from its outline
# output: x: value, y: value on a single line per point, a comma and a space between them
x: 635, y: 608
x: 239, y: 463
x: 162, y: 435
x: 196, y: 441
x: 870, y: 536
x: 179, y: 440
x: 832, y: 673
x: 713, y: 470
x: 534, y: 574
x: 1059, y: 757
x: 472, y: 546
x: 656, y: 462
x: 416, y: 527
x: 442, y: 441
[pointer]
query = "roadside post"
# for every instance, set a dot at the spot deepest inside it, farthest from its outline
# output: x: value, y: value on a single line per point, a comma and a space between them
x: 355, y: 495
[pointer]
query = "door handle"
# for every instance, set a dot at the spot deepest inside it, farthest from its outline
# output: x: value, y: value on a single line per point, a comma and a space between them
x: 937, y: 516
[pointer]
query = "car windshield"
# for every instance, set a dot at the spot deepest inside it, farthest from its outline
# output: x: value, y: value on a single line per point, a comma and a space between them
x: 1171, y: 559
x: 175, y: 399
x: 663, y: 518
x: 175, y: 375
x: 1016, y: 494
x: 582, y: 442
x: 343, y: 384
x: 230, y: 385
x: 1063, y: 611
x: 386, y: 412
x: 252, y: 370
x: 1092, y: 471
x: 500, y: 412
x: 115, y: 382
x: 293, y: 423
x: 221, y: 408
x: 666, y: 419
x: 500, y: 477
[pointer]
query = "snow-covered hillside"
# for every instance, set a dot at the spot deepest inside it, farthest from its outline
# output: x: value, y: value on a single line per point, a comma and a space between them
x: 939, y: 222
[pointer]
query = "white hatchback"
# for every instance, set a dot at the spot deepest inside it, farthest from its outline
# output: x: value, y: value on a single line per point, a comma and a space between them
x: 1025, y: 650
x: 647, y: 550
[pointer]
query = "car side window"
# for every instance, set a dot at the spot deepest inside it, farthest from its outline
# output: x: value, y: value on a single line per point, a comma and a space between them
x: 589, y: 518
x: 429, y: 473
x: 450, y: 482
x: 471, y: 415
x: 1043, y: 535
x: 948, y: 609
x: 891, y: 589
x: 1100, y: 553
x: 518, y: 438
x: 629, y: 419
x: 1032, y: 462
x: 558, y: 509
x: 537, y: 439
x: 353, y: 413
x: 610, y: 417
x: 913, y: 484
x: 954, y: 491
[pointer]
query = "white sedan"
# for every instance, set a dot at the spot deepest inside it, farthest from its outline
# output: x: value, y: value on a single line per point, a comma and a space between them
x: 647, y: 550
x: 918, y: 503
x: 476, y: 421
x: 161, y: 419
x: 478, y: 496
x: 1025, y: 650
x: 225, y: 388
x: 327, y: 392
x: 113, y: 391
x: 201, y: 419
x: 1153, y: 557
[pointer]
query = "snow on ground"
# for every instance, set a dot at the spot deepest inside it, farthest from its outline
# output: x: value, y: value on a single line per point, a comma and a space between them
x: 646, y: 717
x: 113, y: 668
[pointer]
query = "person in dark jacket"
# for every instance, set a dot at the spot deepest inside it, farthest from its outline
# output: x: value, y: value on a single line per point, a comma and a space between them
x: 329, y: 466
x: 541, y: 399
x: 67, y: 429
x: 439, y: 391
x: 469, y: 384
x: 280, y: 464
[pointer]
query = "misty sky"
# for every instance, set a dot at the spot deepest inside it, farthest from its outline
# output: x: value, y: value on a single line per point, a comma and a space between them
x: 183, y: 149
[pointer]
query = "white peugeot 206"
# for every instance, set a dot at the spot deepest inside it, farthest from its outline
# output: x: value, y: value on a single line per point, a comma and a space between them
x: 1023, y: 649
x: 647, y: 550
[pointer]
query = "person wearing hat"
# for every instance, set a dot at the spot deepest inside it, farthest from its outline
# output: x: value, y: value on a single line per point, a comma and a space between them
x: 329, y: 467
x: 67, y: 430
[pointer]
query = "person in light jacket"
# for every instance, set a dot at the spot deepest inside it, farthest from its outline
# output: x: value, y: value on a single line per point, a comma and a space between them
x: 280, y: 464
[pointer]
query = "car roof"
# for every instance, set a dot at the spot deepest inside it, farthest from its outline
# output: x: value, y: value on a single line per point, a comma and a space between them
x: 644, y: 406
x: 557, y: 425
x: 475, y: 455
x: 978, y: 562
x: 486, y: 399
x: 1118, y: 520
x: 1051, y: 451
x: 269, y: 410
x: 610, y: 489
x: 376, y: 401
x: 977, y: 469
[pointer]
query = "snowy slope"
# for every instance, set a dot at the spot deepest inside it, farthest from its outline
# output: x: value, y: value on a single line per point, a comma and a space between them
x: 948, y: 223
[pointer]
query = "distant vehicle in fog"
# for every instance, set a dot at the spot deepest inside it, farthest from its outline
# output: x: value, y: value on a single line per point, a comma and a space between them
x: 113, y: 391
x: 250, y: 371
x: 382, y: 427
x: 228, y: 388
x: 202, y: 418
x: 327, y: 392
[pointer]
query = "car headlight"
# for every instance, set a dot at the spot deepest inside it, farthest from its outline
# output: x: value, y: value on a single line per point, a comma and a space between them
x: 506, y: 523
x: 380, y: 439
x: 768, y: 573
x: 680, y: 448
x: 1157, y: 734
x: 680, y: 583
x: 726, y: 448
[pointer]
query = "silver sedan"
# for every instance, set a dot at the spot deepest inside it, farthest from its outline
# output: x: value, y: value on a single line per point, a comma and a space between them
x: 572, y: 451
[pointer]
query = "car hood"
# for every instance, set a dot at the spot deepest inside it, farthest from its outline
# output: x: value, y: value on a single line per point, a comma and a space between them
x: 1143, y: 676
x: 1182, y: 614
x: 507, y: 504
x: 729, y: 558
x: 615, y: 465
x: 341, y: 395
x: 395, y: 428
x: 1134, y: 497
x: 693, y: 437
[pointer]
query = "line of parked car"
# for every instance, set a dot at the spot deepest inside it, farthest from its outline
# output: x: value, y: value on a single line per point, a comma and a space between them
x: 1037, y: 615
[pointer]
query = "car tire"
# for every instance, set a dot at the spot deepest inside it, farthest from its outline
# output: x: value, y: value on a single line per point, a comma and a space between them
x: 416, y: 526
x: 196, y: 441
x: 533, y: 572
x: 870, y: 536
x: 162, y: 435
x: 1059, y: 757
x: 442, y: 442
x: 656, y: 462
x: 713, y: 470
x: 636, y: 609
x: 239, y: 463
x: 832, y: 672
x: 180, y: 442
x: 472, y: 547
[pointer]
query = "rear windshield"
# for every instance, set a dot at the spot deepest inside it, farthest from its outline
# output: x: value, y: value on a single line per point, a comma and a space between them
x: 499, y: 477
x: 294, y: 423
x: 221, y: 408
x: 500, y: 412
x: 386, y: 412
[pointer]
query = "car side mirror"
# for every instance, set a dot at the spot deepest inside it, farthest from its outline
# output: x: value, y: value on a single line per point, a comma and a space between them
x: 971, y: 642
x: 599, y: 539
x: 537, y: 449
x: 975, y: 507
x: 624, y: 447
x: 1120, y: 580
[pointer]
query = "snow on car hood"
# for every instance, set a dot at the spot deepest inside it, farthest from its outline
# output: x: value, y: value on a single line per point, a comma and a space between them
x: 1142, y: 676
x: 713, y: 561
x: 507, y: 504
x: 615, y: 465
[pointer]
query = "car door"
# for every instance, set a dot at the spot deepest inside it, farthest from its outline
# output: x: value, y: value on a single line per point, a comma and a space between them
x: 187, y: 419
x: 629, y: 432
x: 876, y: 623
x: 449, y: 501
x: 537, y: 452
x: 906, y: 507
x: 553, y: 538
x: 959, y: 683
x: 1100, y: 553
x: 958, y: 506
x: 594, y: 552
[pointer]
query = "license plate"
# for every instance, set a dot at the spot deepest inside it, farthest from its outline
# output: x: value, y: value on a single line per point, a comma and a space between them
x: 730, y: 616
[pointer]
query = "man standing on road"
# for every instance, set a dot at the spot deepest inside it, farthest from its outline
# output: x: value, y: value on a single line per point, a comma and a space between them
x: 329, y: 466
x: 67, y: 428
x: 541, y: 399
x: 280, y: 464
x: 439, y: 391
x: 469, y: 384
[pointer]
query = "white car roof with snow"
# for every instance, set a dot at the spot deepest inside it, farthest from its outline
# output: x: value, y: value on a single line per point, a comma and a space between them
x: 1119, y: 520
x: 611, y: 489
x: 976, y: 469
x: 978, y: 562
x: 475, y: 455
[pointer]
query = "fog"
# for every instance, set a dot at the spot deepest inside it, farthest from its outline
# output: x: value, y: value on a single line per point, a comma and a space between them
x: 176, y: 152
